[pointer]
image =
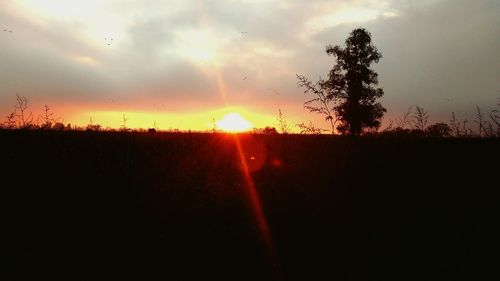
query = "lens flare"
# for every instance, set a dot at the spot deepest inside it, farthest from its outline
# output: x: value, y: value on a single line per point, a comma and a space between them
x: 258, y: 211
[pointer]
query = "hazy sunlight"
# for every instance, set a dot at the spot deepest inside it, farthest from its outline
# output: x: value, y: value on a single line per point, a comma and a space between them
x: 233, y: 122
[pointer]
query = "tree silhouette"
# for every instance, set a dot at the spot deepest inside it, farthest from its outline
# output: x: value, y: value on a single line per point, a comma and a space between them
x: 351, y: 80
x: 350, y: 84
x: 47, y: 118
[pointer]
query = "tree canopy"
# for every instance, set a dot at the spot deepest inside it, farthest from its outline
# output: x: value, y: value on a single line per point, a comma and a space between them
x: 349, y: 92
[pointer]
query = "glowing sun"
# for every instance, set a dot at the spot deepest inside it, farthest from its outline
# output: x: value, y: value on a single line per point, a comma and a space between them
x: 233, y: 122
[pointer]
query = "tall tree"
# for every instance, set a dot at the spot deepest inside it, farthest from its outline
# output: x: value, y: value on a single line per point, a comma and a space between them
x: 350, y: 84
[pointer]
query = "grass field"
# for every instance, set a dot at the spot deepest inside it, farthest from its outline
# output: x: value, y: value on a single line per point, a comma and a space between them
x: 139, y: 206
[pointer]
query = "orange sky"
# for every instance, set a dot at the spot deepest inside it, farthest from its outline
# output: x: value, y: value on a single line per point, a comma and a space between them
x: 198, y: 121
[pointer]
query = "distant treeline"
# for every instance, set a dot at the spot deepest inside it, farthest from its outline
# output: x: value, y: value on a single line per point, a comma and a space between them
x: 414, y: 122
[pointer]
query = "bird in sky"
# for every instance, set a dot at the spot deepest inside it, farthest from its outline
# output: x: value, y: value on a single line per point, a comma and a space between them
x: 274, y: 91
x: 108, y: 40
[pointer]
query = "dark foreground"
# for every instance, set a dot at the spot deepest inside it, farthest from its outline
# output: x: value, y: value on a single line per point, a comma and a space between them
x: 112, y: 206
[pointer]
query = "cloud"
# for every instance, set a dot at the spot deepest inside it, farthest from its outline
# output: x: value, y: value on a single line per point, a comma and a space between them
x: 441, y: 57
x: 438, y: 54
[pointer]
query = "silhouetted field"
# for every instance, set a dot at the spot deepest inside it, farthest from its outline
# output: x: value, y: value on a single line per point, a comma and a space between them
x: 138, y: 206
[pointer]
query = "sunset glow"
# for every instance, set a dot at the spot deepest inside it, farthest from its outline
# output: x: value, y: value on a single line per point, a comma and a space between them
x: 249, y: 139
x: 234, y: 122
x: 203, y: 120
x: 181, y: 64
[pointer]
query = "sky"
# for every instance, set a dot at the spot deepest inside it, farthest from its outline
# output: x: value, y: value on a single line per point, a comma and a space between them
x: 183, y: 63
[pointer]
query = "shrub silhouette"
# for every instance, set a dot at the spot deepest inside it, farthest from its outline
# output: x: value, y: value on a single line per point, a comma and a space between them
x: 420, y: 119
x: 309, y: 129
x: 282, y: 124
x: 322, y: 103
x: 439, y: 130
x: 24, y: 119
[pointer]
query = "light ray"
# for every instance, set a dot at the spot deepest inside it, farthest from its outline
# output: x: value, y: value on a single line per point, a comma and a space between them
x: 257, y: 208
x: 220, y: 84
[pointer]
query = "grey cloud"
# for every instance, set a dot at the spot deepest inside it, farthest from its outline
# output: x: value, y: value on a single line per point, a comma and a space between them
x: 443, y: 56
x: 36, y: 61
